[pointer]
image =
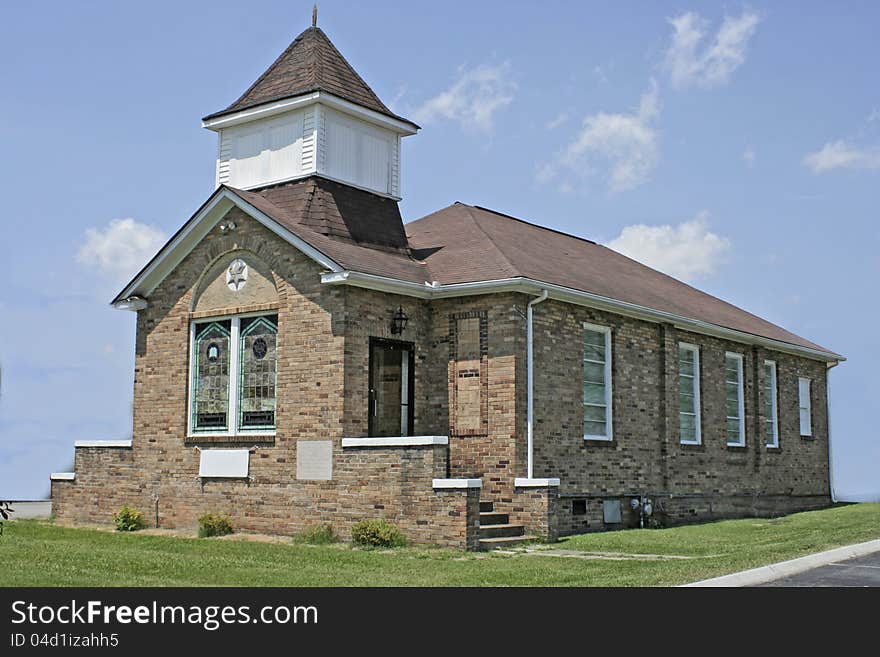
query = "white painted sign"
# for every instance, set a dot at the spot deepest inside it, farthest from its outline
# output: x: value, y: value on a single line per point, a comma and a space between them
x: 232, y: 463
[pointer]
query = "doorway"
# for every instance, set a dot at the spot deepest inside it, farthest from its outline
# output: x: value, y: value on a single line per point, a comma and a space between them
x: 391, y: 387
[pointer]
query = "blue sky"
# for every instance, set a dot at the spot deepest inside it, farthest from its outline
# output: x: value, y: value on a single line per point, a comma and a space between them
x: 736, y: 146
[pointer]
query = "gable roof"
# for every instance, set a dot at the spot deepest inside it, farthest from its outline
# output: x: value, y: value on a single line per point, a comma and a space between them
x: 462, y: 249
x: 465, y: 243
x: 310, y: 63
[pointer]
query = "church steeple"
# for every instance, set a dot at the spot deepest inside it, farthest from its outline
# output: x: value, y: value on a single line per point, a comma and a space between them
x: 310, y: 113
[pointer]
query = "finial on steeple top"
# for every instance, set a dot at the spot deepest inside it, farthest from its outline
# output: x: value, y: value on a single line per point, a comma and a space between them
x: 315, y: 15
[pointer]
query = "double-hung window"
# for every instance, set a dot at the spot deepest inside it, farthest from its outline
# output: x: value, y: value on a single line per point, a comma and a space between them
x: 771, y: 414
x: 233, y: 371
x: 735, y: 399
x: 689, y: 393
x: 805, y: 407
x: 597, y: 382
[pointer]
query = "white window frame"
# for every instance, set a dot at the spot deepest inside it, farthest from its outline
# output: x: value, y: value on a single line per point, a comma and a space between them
x: 808, y: 407
x: 774, y: 409
x: 232, y: 428
x: 740, y: 399
x: 609, y: 411
x: 698, y: 433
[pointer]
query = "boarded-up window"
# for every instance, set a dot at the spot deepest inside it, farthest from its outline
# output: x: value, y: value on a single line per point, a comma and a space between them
x: 468, y: 373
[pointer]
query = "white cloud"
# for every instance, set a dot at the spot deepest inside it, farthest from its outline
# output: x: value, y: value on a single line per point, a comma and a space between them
x: 749, y: 157
x: 625, y: 144
x: 120, y: 249
x: 692, y: 59
x: 473, y: 99
x: 687, y: 251
x: 561, y: 118
x: 841, y: 154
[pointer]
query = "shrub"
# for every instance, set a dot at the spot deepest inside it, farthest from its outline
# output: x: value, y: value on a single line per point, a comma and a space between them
x: 377, y: 533
x: 318, y: 535
x: 128, y: 519
x: 214, y: 524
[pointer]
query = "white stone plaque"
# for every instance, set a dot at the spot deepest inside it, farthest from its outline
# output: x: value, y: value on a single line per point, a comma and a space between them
x: 314, y: 460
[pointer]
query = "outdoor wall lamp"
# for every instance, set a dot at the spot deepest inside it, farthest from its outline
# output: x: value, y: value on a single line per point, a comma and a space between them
x: 398, y: 322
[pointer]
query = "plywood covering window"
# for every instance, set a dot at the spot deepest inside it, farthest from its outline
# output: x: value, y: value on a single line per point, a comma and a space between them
x: 597, y: 382
x: 689, y: 394
x: 233, y: 369
x: 734, y: 399
x: 468, y: 373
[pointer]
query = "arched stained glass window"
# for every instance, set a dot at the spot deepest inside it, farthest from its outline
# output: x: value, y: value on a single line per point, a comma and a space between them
x: 258, y: 365
x: 210, y: 406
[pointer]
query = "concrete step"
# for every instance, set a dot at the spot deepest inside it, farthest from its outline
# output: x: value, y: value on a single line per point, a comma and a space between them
x: 493, y: 518
x: 487, y: 507
x: 503, y: 542
x: 501, y: 531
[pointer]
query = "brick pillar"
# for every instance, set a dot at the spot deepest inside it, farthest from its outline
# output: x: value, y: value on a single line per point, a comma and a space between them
x: 535, y: 503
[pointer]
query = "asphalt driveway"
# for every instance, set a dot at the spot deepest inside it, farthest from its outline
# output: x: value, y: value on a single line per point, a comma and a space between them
x: 861, y: 571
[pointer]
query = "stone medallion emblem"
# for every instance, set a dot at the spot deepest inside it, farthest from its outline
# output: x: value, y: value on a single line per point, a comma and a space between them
x: 237, y: 274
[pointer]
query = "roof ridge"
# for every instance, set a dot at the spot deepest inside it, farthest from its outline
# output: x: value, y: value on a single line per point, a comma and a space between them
x: 352, y: 69
x: 512, y: 270
x: 529, y: 223
x: 265, y: 73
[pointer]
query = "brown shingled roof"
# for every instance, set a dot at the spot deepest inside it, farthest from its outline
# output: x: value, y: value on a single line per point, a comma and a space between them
x: 310, y: 63
x: 464, y: 243
x: 467, y: 244
x: 358, y: 230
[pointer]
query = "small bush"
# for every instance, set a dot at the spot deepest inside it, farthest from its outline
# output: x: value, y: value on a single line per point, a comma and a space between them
x: 128, y: 519
x: 214, y: 524
x: 377, y: 533
x: 318, y: 535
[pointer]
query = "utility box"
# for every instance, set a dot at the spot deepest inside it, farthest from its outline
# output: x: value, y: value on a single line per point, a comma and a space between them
x: 611, y: 512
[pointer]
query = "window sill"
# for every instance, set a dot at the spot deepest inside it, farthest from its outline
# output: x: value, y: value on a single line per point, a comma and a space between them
x: 211, y: 438
x: 772, y: 448
x: 600, y: 439
x: 395, y: 441
x: 737, y: 445
x: 691, y: 443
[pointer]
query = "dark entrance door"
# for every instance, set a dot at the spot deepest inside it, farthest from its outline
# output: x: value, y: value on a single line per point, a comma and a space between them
x: 391, y: 387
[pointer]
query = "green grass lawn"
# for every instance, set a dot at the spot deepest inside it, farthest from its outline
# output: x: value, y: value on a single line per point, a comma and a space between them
x: 39, y: 553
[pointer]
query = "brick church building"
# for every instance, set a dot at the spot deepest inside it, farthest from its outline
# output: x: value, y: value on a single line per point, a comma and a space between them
x: 305, y: 357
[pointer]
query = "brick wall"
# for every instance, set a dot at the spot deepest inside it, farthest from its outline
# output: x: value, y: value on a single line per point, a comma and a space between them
x: 689, y: 482
x: 469, y: 384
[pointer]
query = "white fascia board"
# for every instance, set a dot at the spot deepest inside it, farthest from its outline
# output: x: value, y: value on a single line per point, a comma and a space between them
x: 535, y: 483
x: 260, y: 112
x: 173, y: 253
x: 569, y: 295
x: 102, y: 443
x: 396, y: 441
x: 62, y: 476
x: 456, y: 483
x: 290, y: 104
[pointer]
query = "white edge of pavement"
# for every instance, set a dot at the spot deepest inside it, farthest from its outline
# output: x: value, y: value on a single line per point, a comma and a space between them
x: 782, y: 569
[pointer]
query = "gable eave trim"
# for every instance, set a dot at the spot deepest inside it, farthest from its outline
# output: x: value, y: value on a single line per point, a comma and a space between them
x: 435, y: 290
x: 183, y: 242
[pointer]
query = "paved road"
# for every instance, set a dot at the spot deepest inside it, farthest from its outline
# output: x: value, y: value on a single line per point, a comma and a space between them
x: 861, y: 571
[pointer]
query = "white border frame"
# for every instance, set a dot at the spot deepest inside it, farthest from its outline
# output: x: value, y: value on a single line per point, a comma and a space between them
x: 774, y: 404
x: 809, y: 407
x: 698, y: 433
x: 741, y: 400
x: 232, y: 429
x: 609, y: 392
